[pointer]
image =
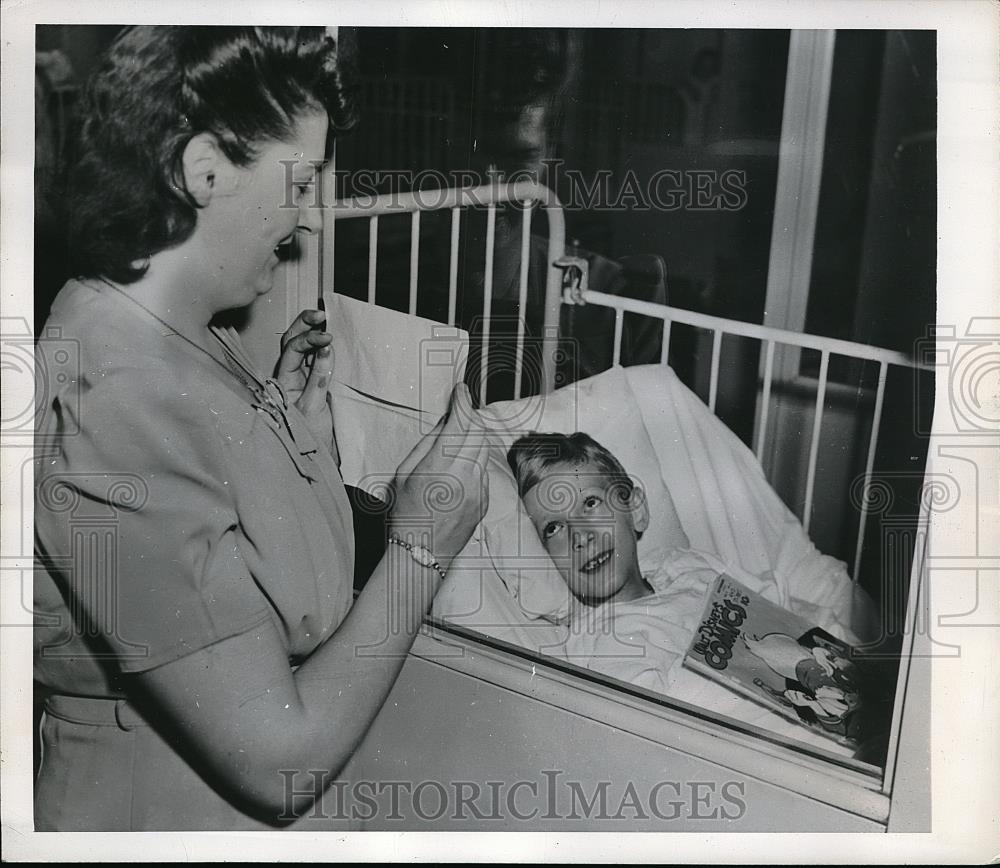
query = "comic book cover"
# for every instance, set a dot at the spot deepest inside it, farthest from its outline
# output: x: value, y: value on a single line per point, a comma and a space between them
x: 795, y: 668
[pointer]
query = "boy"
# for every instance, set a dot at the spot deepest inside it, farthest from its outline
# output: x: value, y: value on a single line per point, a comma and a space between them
x: 589, y: 515
x: 587, y: 511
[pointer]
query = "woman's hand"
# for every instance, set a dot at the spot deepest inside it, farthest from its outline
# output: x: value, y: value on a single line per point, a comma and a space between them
x: 441, y: 487
x: 304, y: 371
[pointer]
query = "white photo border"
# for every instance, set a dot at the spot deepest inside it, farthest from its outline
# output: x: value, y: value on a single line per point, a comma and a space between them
x: 965, y: 752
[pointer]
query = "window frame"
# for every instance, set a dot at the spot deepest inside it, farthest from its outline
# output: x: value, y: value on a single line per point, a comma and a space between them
x: 839, y: 782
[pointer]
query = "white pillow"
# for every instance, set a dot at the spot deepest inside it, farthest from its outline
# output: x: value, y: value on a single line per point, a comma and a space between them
x: 373, y: 438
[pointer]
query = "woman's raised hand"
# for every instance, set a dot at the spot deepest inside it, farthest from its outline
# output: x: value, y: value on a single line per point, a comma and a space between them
x: 304, y: 371
x: 441, y: 487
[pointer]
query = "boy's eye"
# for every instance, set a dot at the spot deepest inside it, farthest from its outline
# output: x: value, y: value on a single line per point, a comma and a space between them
x: 591, y: 501
x: 551, y: 529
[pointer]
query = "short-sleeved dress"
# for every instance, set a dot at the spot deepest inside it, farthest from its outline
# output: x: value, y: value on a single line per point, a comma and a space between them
x: 178, y: 504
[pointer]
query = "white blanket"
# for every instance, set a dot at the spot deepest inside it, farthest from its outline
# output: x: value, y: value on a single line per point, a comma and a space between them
x: 643, y: 642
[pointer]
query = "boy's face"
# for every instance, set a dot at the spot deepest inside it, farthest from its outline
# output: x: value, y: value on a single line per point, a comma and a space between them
x: 589, y: 527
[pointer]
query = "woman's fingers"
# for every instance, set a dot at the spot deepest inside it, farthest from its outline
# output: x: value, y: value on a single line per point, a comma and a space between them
x: 460, y: 429
x: 420, y: 450
x: 302, y: 338
x: 298, y: 348
x: 462, y: 417
x: 305, y: 321
x: 313, y: 397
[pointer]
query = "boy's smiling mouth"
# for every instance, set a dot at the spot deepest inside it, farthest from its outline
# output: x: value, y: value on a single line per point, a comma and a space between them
x: 598, y: 561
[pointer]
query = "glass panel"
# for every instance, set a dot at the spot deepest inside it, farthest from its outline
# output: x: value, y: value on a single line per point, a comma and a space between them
x: 663, y: 147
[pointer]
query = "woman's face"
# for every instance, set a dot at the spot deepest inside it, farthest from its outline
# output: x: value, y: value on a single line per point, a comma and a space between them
x: 259, y: 208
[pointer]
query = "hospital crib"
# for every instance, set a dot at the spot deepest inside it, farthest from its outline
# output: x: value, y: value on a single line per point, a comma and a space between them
x: 566, y: 284
x: 848, y: 792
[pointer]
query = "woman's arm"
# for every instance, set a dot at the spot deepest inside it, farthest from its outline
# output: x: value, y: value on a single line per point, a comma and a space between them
x: 243, y: 712
x: 247, y: 717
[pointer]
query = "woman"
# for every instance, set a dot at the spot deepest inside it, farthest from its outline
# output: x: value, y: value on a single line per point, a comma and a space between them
x: 195, y: 621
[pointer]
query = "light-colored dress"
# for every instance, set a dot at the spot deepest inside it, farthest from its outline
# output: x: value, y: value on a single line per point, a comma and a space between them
x: 177, y: 505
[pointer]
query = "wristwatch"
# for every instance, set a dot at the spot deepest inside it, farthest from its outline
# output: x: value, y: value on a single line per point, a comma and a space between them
x: 421, y: 554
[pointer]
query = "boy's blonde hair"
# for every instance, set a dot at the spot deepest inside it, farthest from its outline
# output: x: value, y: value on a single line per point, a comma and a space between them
x: 533, y: 454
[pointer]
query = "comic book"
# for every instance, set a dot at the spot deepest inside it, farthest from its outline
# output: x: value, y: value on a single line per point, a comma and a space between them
x: 795, y: 668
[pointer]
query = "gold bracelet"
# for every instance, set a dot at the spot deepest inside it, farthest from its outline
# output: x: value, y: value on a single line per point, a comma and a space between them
x: 421, y: 554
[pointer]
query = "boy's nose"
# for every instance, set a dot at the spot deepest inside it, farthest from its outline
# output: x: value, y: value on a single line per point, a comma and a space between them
x: 583, y: 536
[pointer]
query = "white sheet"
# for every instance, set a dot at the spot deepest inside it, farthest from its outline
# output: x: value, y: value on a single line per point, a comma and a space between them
x: 643, y: 642
x: 728, y: 508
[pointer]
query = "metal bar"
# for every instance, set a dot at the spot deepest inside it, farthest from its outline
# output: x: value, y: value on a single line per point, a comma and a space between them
x: 869, y: 466
x: 553, y: 288
x: 765, y: 398
x: 522, y: 297
x: 617, y: 353
x: 491, y: 229
x: 456, y: 216
x: 452, y: 197
x: 292, y: 308
x: 372, y: 257
x: 456, y: 198
x: 814, y: 445
x: 752, y: 330
x: 713, y: 380
x: 326, y: 184
x: 665, y: 350
x: 414, y: 260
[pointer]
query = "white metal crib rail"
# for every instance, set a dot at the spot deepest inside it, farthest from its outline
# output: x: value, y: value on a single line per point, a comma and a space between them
x: 770, y: 337
x: 529, y: 194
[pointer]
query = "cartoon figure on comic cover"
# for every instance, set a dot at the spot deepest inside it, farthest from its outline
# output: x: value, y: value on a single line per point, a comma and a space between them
x: 821, y: 683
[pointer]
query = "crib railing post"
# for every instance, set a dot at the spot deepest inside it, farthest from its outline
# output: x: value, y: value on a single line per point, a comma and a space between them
x: 491, y: 226
x: 522, y: 295
x: 665, y: 346
x: 616, y: 356
x: 456, y: 216
x: 372, y: 256
x: 414, y: 259
x: 765, y: 398
x: 869, y: 466
x: 713, y: 379
x: 553, y: 288
x: 814, y: 444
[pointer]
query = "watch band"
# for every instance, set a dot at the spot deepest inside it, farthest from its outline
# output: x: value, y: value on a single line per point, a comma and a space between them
x: 421, y: 554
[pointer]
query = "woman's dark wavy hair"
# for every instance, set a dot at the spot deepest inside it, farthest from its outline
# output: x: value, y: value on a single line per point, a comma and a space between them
x: 157, y: 88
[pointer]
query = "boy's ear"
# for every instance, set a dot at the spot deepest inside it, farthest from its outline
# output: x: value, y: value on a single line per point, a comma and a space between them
x: 202, y: 163
x: 640, y: 508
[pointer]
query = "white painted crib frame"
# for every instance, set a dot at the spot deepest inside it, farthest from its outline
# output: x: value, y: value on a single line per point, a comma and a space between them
x: 852, y: 791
